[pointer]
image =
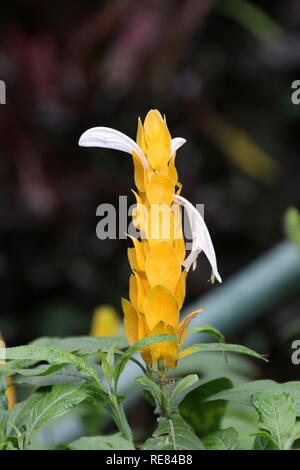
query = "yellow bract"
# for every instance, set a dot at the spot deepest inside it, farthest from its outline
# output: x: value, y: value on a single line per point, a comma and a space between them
x: 163, y: 266
x: 160, y: 190
x: 160, y: 305
x: 157, y: 282
x: 130, y: 321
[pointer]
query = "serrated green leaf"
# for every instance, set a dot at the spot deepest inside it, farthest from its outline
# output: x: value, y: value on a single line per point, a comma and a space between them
x: 243, y: 393
x: 20, y: 413
x: 84, y: 344
x: 185, y: 438
x: 53, y: 356
x: 59, y: 401
x: 65, y: 375
x: 277, y: 415
x: 113, y: 442
x: 225, y: 439
x: 205, y: 417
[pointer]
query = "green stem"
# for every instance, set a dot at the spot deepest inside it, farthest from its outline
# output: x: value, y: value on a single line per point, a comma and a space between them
x: 120, y: 418
x: 165, y: 399
x: 164, y: 392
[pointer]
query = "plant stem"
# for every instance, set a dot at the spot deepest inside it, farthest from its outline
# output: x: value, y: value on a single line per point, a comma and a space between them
x: 120, y: 418
x: 164, y: 392
x: 165, y: 405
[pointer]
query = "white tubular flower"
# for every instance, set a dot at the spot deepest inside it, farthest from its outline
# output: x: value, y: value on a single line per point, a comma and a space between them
x: 201, y: 238
x: 176, y: 143
x: 108, y: 138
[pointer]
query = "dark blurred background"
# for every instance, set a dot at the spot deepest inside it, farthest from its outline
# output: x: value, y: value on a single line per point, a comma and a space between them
x: 221, y: 71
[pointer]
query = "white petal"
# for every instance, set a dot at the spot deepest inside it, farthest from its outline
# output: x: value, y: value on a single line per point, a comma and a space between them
x: 176, y: 143
x: 201, y: 238
x: 108, y: 138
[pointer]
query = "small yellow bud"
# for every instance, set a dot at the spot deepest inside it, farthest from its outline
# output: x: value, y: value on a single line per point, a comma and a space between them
x: 105, y: 322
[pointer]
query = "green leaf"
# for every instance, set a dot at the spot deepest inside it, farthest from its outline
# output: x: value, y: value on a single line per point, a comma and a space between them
x: 107, y: 369
x: 210, y: 330
x: 205, y: 416
x: 53, y: 356
x: 235, y: 348
x: 137, y: 347
x: 243, y: 393
x: 264, y: 441
x: 52, y: 405
x: 113, y: 442
x: 3, y: 387
x: 64, y: 375
x: 277, y: 415
x: 145, y: 381
x: 225, y: 439
x: 3, y: 421
x: 149, y: 397
x: 163, y: 437
x: 84, y: 344
x: 183, y: 384
x: 20, y: 413
x: 296, y: 431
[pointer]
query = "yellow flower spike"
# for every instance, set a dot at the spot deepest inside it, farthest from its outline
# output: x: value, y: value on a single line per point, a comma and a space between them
x: 160, y: 305
x: 105, y: 322
x: 180, y: 289
x: 131, y: 322
x: 160, y: 190
x: 158, y: 262
x: 163, y: 266
x: 167, y: 350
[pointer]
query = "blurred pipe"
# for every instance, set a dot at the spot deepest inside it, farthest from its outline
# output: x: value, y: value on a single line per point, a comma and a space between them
x: 240, y: 300
x: 250, y: 293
